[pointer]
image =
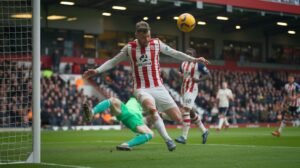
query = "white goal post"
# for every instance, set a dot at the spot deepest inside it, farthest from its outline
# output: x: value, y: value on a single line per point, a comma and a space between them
x: 20, y: 82
x: 36, y: 54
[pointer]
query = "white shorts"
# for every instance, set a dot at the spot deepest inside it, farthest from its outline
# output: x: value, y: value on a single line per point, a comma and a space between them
x: 161, y: 96
x: 189, y: 99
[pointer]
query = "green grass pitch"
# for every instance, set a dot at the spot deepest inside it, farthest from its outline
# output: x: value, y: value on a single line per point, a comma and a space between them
x: 233, y: 148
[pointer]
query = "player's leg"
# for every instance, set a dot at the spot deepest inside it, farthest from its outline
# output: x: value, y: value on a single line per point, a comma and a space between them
x: 226, y: 114
x: 226, y: 122
x: 283, y: 122
x: 113, y: 103
x: 279, y: 130
x: 221, y: 118
x: 174, y: 113
x: 188, y: 103
x: 287, y: 119
x: 221, y: 121
x: 195, y: 118
x: 185, y: 125
x: 145, y: 135
x: 149, y: 106
x: 135, y: 122
x: 166, y: 104
x: 296, y: 115
x: 186, y: 122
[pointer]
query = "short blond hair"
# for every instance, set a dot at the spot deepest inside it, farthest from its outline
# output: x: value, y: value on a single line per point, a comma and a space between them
x: 142, y: 25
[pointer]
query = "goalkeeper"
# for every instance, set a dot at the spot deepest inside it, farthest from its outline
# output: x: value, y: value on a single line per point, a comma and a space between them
x: 130, y: 114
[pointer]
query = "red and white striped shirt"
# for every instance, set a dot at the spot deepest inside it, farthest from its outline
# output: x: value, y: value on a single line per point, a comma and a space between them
x: 145, y: 64
x: 144, y: 61
x: 190, y: 71
x: 292, y: 90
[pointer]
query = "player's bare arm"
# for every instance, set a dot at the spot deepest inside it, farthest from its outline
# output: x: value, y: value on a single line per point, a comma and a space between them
x: 202, y: 60
x: 165, y: 49
x: 109, y: 64
x: 89, y: 73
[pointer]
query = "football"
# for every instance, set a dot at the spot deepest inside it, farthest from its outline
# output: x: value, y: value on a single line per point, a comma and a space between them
x: 186, y: 22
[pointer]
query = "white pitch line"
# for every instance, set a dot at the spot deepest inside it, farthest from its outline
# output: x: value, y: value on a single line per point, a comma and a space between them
x: 43, y: 163
x: 12, y: 163
x: 63, y: 165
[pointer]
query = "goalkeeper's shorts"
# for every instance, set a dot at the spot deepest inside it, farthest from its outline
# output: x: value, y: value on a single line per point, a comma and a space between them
x: 130, y: 120
x: 223, y: 111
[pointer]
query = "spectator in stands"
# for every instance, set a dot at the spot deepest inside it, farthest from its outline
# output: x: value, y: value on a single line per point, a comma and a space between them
x: 76, y: 69
x: 15, y: 94
x: 56, y: 60
x: 65, y: 122
x: 258, y: 95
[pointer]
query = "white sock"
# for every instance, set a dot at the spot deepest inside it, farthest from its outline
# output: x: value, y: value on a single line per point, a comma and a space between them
x: 297, y: 123
x: 186, y: 124
x: 198, y: 122
x: 226, y: 121
x: 201, y: 126
x: 294, y: 123
x: 221, y: 120
x: 160, y: 126
x: 282, y: 125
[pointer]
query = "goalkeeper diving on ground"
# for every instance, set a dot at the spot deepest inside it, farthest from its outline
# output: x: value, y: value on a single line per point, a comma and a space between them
x: 130, y: 114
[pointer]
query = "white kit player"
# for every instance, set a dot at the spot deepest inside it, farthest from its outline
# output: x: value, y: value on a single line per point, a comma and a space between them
x: 291, y: 101
x: 224, y: 96
x: 143, y: 54
x: 192, y: 73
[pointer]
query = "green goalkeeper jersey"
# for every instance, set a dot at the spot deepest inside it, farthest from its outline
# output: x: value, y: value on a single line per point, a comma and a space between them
x: 131, y: 115
x: 134, y: 107
x: 131, y: 108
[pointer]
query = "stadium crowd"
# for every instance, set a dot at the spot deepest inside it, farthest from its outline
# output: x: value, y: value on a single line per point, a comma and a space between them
x: 61, y: 104
x: 15, y: 94
x: 257, y: 95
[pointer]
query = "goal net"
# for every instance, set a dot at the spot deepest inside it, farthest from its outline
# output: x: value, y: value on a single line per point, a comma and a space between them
x: 16, y: 144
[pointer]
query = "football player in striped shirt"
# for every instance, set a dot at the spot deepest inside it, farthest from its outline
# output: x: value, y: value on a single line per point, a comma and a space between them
x: 291, y: 101
x: 192, y: 73
x: 143, y: 54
